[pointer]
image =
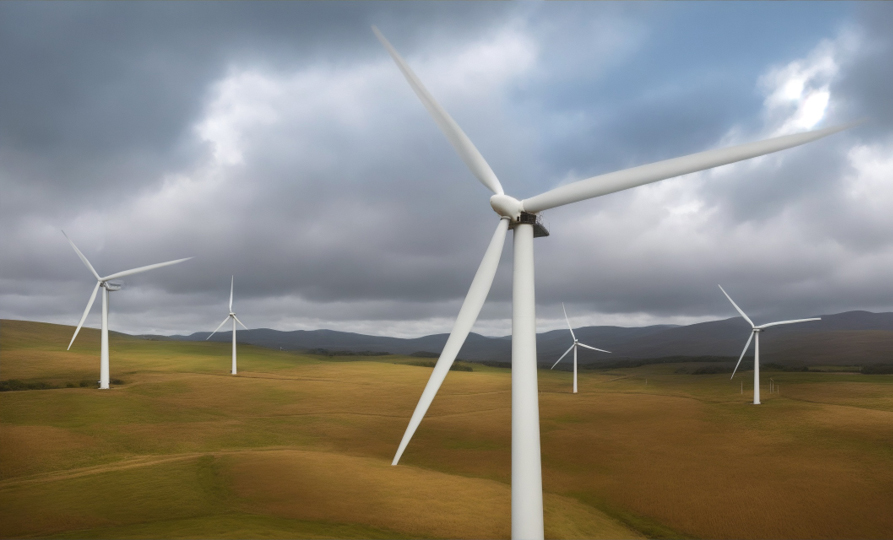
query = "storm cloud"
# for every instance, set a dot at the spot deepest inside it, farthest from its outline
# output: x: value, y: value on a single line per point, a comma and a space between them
x: 278, y: 143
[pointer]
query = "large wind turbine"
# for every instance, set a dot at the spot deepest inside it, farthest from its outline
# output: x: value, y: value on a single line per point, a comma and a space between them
x: 107, y: 287
x: 235, y: 320
x: 756, y: 348
x: 521, y: 216
x: 574, y: 347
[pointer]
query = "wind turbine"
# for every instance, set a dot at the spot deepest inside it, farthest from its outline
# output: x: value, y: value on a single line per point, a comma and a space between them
x: 107, y: 287
x: 521, y: 216
x: 574, y: 347
x: 235, y: 320
x: 756, y: 348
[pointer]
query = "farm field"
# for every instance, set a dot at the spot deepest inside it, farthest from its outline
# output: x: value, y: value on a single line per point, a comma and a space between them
x: 299, y: 446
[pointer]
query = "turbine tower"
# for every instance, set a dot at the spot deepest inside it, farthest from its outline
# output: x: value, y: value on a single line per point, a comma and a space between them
x: 235, y: 320
x: 756, y: 330
x: 574, y: 347
x: 521, y: 216
x: 107, y: 287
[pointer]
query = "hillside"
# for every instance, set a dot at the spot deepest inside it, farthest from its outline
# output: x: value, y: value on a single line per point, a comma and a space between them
x: 300, y: 446
x: 851, y: 338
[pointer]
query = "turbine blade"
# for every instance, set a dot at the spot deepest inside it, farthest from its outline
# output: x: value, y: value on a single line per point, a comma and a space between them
x: 218, y: 328
x: 86, y: 311
x: 593, y: 348
x: 746, y: 345
x: 143, y: 269
x: 240, y: 322
x: 746, y: 318
x: 83, y: 258
x: 788, y: 322
x: 562, y: 356
x: 463, y: 145
x: 645, y: 174
x: 468, y: 313
x: 568, y: 322
x: 232, y: 280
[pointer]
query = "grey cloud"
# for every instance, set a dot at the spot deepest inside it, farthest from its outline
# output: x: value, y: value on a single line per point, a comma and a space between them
x: 866, y: 80
x: 104, y: 95
x: 374, y: 221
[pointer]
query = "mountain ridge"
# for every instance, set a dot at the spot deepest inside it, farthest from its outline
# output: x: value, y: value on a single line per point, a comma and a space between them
x: 848, y: 338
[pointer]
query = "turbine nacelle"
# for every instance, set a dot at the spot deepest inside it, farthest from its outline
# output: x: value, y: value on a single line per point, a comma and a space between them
x: 232, y: 315
x: 574, y: 348
x: 755, y: 331
x: 507, y: 206
x: 109, y: 286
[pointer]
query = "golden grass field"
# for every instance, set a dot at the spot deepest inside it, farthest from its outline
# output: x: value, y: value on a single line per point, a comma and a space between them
x: 298, y: 446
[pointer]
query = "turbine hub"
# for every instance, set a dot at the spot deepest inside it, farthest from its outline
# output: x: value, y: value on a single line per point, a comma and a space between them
x: 513, y: 209
x: 507, y: 206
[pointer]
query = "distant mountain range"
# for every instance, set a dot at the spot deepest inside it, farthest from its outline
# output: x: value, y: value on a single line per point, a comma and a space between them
x: 851, y: 338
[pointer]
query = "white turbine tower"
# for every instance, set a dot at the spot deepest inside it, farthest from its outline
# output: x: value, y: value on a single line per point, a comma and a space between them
x: 521, y: 216
x: 107, y: 287
x: 574, y: 347
x: 756, y: 330
x: 235, y: 320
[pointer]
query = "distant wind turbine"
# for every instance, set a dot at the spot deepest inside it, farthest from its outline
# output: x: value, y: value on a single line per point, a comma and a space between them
x: 574, y: 347
x: 107, y: 287
x: 235, y: 320
x: 756, y: 356
x: 522, y: 217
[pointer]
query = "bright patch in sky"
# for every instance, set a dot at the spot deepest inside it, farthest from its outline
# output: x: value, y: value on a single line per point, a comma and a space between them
x: 242, y: 100
x: 484, y: 64
x: 797, y: 94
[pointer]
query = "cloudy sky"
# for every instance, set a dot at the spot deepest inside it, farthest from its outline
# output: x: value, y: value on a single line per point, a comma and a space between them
x: 279, y: 143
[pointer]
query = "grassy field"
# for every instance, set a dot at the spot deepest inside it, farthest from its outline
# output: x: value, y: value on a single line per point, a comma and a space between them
x: 298, y: 446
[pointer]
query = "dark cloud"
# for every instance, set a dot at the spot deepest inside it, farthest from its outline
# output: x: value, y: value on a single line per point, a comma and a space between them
x: 278, y: 143
x: 867, y: 78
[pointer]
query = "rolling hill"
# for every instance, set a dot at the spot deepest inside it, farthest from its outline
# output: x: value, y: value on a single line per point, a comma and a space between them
x: 850, y: 338
x: 300, y: 446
